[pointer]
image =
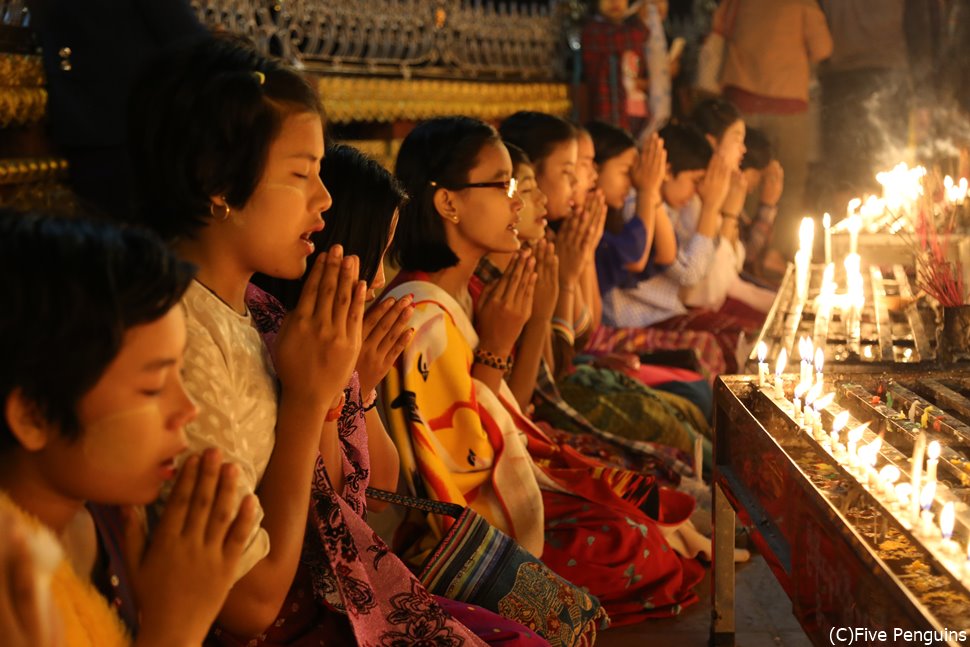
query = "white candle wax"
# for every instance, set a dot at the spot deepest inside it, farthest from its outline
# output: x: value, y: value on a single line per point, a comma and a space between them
x: 779, y: 370
x: 947, y: 518
x: 762, y: 364
x: 932, y: 460
x: 927, y: 528
x: 916, y: 476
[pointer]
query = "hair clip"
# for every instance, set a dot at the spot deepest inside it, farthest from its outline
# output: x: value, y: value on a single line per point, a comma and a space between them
x: 260, y: 77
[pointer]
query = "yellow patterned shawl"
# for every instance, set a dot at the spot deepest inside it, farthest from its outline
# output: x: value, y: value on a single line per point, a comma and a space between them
x: 85, y: 616
x: 458, y: 441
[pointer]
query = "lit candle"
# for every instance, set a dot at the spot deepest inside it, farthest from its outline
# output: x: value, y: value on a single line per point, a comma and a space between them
x: 800, y: 389
x: 932, y: 459
x: 806, y: 236
x: 839, y: 424
x: 947, y: 518
x: 854, y: 224
x: 762, y: 364
x: 779, y: 370
x: 854, y: 437
x: 903, y: 492
x: 888, y: 476
x: 805, y: 352
x: 926, y: 505
x: 819, y: 360
x: 820, y: 405
x: 872, y: 457
x: 916, y: 477
x: 810, y: 398
x: 827, y: 224
x: 850, y: 209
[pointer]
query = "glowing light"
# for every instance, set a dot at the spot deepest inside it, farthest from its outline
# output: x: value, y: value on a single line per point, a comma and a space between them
x: 947, y: 518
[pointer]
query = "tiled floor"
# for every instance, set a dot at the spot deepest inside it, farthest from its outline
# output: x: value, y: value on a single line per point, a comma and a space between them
x: 762, y: 614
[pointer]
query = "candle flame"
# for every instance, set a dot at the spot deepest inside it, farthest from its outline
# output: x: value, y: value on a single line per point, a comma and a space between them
x: 801, y: 388
x: 947, y: 518
x: 856, y: 434
x: 889, y: 474
x: 872, y: 450
x: 819, y: 359
x: 813, y: 394
x: 840, y: 422
x: 867, y: 352
x: 823, y: 402
x: 927, y: 494
x: 782, y: 361
x: 933, y: 451
x: 852, y: 263
x: 805, y: 349
x: 806, y: 235
x: 854, y: 204
x: 762, y: 351
x: 826, y: 220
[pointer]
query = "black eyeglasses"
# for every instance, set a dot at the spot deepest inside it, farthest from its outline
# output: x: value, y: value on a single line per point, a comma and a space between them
x: 509, y: 186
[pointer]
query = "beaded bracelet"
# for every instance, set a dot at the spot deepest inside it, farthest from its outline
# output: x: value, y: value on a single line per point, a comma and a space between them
x: 491, y: 360
x: 370, y: 401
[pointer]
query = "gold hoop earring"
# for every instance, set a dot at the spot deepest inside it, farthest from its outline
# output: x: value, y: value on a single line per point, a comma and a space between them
x: 223, y: 214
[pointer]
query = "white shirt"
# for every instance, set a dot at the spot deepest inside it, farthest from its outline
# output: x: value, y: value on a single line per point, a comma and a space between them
x: 229, y: 375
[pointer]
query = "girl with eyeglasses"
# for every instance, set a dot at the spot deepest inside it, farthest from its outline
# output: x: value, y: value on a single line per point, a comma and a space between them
x: 462, y: 436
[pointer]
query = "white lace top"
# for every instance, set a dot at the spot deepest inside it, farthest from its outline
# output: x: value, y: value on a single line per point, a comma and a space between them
x: 229, y: 375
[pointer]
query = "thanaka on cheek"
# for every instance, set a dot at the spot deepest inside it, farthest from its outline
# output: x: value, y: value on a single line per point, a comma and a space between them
x: 110, y: 442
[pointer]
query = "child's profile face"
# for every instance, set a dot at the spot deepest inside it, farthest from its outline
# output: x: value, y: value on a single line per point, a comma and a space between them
x: 532, y: 218
x: 616, y: 177
x: 677, y: 190
x: 273, y: 229
x: 557, y: 179
x: 487, y: 217
x: 131, y: 422
x: 731, y: 145
x: 614, y: 10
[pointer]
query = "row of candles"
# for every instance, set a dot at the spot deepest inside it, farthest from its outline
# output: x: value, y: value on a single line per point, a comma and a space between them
x: 853, y: 300
x: 912, y: 501
x: 902, y: 188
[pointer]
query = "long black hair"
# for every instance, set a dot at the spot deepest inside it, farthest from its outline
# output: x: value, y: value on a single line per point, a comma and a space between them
x: 201, y: 121
x: 70, y: 289
x: 442, y: 151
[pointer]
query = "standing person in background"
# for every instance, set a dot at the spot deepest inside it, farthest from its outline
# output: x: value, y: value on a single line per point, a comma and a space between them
x: 771, y: 48
x: 613, y: 65
x: 864, y: 91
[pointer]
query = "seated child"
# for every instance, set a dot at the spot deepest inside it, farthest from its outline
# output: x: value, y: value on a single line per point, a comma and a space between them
x: 94, y: 410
